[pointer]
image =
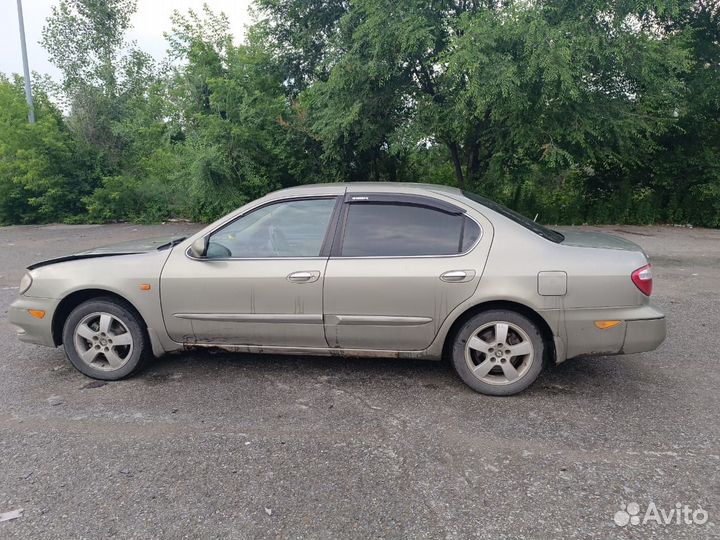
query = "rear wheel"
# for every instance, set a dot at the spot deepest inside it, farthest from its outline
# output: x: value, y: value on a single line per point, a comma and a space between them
x: 498, y: 352
x: 105, y: 339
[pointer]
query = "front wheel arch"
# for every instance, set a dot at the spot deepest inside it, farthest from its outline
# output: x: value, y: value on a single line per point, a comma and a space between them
x: 74, y: 299
x: 534, y: 316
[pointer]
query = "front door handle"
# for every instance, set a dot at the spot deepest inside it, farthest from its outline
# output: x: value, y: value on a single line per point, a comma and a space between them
x: 304, y: 276
x: 457, y: 276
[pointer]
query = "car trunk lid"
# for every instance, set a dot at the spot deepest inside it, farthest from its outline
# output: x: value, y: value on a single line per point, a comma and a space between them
x: 599, y: 240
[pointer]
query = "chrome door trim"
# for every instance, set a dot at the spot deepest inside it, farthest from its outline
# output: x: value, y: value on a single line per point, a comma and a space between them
x: 283, y: 318
x: 375, y: 320
x: 221, y: 259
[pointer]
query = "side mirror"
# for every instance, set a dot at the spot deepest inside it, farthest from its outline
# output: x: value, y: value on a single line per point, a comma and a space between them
x: 198, y: 248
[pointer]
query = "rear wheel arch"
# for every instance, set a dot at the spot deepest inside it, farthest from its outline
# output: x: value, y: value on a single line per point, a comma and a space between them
x: 534, y: 316
x: 74, y: 299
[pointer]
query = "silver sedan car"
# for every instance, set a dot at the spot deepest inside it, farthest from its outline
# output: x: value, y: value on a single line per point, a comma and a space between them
x: 372, y: 269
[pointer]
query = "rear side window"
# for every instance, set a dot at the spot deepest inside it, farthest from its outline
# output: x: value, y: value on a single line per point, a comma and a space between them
x: 405, y: 230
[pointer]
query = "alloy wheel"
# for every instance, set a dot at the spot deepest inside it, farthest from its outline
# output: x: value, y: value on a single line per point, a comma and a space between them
x: 499, y: 353
x: 103, y: 341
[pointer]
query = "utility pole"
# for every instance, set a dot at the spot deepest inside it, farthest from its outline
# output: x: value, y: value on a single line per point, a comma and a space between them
x: 26, y: 68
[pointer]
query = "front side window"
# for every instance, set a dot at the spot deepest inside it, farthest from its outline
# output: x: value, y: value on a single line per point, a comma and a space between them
x: 283, y: 229
x: 404, y: 230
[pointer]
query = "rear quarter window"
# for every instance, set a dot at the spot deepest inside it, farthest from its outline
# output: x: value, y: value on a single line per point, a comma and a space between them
x: 529, y: 224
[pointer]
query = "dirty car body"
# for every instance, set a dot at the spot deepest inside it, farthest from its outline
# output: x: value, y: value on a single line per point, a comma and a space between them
x: 401, y: 270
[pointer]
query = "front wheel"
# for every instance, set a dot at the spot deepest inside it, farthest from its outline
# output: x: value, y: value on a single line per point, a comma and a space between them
x: 105, y: 339
x: 498, y: 352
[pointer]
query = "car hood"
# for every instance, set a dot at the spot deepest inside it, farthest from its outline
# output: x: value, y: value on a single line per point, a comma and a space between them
x: 598, y: 240
x: 123, y: 248
x: 134, y: 246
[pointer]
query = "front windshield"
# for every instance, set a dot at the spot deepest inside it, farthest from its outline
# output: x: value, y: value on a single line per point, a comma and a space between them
x: 529, y: 224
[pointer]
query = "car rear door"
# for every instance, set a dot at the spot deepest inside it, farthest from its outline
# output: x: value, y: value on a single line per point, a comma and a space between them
x: 398, y: 266
x: 261, y: 282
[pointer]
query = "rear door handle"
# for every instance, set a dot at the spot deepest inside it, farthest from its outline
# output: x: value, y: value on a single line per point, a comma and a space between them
x: 457, y: 276
x: 304, y: 276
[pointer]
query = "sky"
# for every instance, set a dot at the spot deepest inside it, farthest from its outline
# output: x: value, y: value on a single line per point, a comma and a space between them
x: 149, y: 22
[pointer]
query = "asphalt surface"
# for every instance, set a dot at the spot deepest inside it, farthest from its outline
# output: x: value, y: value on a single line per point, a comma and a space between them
x: 250, y: 446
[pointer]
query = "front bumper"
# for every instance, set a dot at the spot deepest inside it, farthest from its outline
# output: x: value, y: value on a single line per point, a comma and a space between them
x: 30, y: 329
x: 642, y: 328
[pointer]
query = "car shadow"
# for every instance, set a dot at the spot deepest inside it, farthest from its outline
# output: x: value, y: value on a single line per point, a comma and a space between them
x: 203, y: 361
x: 580, y: 375
x: 596, y: 375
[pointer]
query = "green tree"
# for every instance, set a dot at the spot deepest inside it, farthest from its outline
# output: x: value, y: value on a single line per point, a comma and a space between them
x: 503, y: 87
x: 102, y: 74
x: 685, y: 170
x: 240, y: 135
x: 597, y: 111
x: 118, y: 107
x: 41, y: 174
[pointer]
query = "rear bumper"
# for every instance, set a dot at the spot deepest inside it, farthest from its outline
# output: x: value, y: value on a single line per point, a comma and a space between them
x: 644, y: 335
x: 28, y: 328
x: 642, y: 328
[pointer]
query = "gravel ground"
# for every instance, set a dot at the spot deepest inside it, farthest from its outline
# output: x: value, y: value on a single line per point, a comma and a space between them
x: 248, y: 446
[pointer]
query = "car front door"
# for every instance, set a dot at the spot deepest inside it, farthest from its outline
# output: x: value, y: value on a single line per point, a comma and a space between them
x: 399, y: 265
x: 260, y: 282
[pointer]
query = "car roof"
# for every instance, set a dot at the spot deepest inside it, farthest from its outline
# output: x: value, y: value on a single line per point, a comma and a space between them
x: 339, y: 187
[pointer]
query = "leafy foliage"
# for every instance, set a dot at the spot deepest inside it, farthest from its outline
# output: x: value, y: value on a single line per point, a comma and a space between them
x: 598, y: 111
x: 40, y: 167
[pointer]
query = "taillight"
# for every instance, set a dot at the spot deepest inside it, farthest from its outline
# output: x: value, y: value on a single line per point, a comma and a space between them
x: 642, y: 278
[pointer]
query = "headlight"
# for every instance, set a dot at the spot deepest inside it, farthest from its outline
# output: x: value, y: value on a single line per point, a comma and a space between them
x: 25, y: 283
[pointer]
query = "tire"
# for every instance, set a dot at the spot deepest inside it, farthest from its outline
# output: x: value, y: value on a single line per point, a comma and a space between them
x: 105, y: 339
x: 493, y: 370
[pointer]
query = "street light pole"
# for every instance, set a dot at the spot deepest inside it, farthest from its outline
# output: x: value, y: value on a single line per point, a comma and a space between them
x: 26, y: 68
